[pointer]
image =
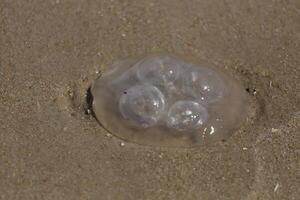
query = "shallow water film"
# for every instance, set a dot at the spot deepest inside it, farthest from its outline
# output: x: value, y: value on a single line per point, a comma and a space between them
x: 164, y: 101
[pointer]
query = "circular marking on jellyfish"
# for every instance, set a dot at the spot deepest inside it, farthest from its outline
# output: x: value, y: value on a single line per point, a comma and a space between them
x: 143, y: 105
x: 162, y: 71
x: 203, y: 84
x: 186, y: 115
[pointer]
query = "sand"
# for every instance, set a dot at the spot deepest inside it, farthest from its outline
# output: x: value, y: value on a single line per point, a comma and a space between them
x: 51, y: 51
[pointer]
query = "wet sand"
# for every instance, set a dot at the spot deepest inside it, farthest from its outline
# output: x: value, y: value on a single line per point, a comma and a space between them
x: 51, y: 52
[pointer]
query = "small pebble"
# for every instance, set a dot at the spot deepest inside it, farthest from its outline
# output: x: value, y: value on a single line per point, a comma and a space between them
x: 274, y: 130
x: 276, y: 187
x: 88, y: 111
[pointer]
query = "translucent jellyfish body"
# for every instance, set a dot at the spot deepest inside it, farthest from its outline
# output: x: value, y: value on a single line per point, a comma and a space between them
x: 164, y: 101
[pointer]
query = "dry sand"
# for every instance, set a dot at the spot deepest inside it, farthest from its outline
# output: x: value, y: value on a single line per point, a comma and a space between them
x: 51, y: 51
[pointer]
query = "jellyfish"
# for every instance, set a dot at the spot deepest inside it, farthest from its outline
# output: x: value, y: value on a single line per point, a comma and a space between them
x: 162, y: 100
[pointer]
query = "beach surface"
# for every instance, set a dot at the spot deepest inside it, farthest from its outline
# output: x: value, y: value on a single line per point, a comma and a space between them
x: 52, y: 51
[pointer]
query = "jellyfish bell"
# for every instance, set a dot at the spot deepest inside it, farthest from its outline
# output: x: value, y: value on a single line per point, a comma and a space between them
x: 164, y: 101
